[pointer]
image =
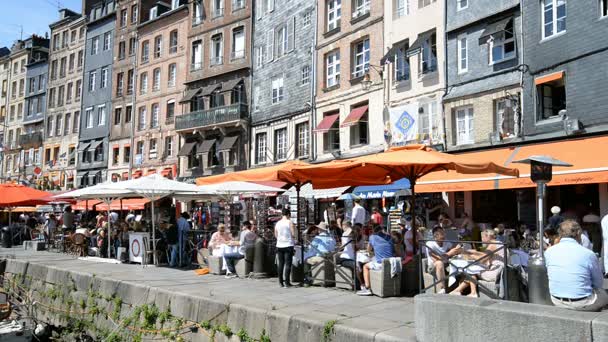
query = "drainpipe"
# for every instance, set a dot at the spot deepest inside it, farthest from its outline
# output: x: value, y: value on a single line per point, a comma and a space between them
x: 445, y: 70
x: 249, y: 128
x: 521, y: 72
x: 313, y: 92
x: 133, y: 107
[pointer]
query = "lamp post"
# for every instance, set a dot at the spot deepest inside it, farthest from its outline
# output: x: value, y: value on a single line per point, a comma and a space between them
x: 541, y: 173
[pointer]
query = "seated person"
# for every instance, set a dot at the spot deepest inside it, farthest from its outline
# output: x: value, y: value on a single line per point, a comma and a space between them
x: 321, y: 245
x: 438, y: 253
x: 381, y: 244
x: 218, y: 240
x: 335, y: 231
x: 102, y: 244
x: 398, y: 245
x: 246, y: 241
x: 550, y: 236
x: 575, y: 276
x: 492, y: 259
x: 347, y: 256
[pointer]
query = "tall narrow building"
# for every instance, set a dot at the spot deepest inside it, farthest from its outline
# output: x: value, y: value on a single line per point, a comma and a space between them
x: 214, y: 125
x: 5, y: 70
x: 92, y: 166
x: 64, y: 94
x: 283, y: 75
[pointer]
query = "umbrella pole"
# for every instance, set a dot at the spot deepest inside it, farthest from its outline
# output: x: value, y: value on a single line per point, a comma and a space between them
x: 413, y: 209
x: 299, y: 233
x: 120, y: 215
x: 109, y: 231
x: 153, y: 235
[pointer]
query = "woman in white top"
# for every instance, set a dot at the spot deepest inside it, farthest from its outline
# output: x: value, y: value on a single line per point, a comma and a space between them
x: 284, y: 232
x: 218, y: 240
x: 348, y: 256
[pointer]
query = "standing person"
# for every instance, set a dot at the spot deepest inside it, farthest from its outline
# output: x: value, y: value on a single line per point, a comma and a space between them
x: 183, y: 227
x: 359, y: 214
x: 49, y: 226
x: 284, y: 232
x: 556, y: 219
x: 246, y: 241
x: 604, y: 225
x: 170, y: 232
x: 376, y: 217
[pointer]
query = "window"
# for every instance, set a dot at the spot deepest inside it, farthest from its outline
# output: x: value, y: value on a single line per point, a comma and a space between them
x: 143, y: 83
x: 130, y: 82
x: 426, y: 114
x: 63, y: 67
x: 173, y: 41
x: 331, y: 138
x: 554, y: 17
x: 153, y: 13
x: 101, y: 115
x: 359, y: 131
x: 424, y: 3
x: 462, y: 4
x: 360, y: 58
x: 303, y: 144
x: 502, y: 45
x: 360, y: 8
x: 429, y: 55
x: 142, y: 118
x: 168, y: 150
x: 551, y: 98
x: 123, y: 18
x: 21, y: 88
x: 78, y: 89
x: 117, y: 116
x: 172, y: 75
x: 305, y: 75
x: 277, y: 90
x: 463, y: 62
x: 334, y: 12
x: 155, y: 115
x: 56, y: 42
x: 260, y: 148
x: 99, y: 154
x: 120, y: 80
x: 306, y: 18
x: 505, y: 116
x: 66, y: 124
x: 80, y: 59
x: 216, y: 49
x: 58, y: 127
x: 464, y: 126
x: 72, y: 62
x: 174, y: 4
x: 122, y: 50
x: 134, y: 14
x: 197, y: 55
x: 92, y: 80
x: 41, y: 83
x: 332, y: 62
x: 152, y: 150
x: 402, y: 8
x: 104, y: 78
x: 76, y: 124
x: 145, y: 51
x: 126, y: 154
x: 132, y: 45
x: 197, y: 13
x: 69, y: 92
x: 218, y: 8
x: 128, y: 114
x: 107, y: 39
x: 280, y: 144
x: 238, y: 43
x: 156, y: 79
x: 603, y: 8
x: 238, y: 4
x: 170, y: 110
x: 402, y: 64
x: 281, y: 37
x: 158, y: 46
x: 89, y: 117
x: 49, y: 126
x: 115, y: 155
x: 269, y: 46
x: 94, y: 45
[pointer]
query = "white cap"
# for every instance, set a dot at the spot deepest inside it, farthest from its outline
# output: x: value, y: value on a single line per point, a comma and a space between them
x: 555, y: 210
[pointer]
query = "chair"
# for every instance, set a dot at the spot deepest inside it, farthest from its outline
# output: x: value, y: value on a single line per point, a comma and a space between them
x: 215, y: 264
x: 79, y: 244
x: 343, y: 275
x: 322, y: 271
x: 382, y: 284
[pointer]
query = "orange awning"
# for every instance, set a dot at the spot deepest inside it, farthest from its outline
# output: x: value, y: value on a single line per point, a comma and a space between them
x: 127, y: 204
x: 82, y: 205
x: 166, y: 172
x: 14, y: 195
x: 549, y: 78
x: 355, y: 115
x: 326, y: 124
x: 581, y: 153
x: 280, y: 172
x: 137, y: 174
x: 125, y: 176
x: 151, y: 172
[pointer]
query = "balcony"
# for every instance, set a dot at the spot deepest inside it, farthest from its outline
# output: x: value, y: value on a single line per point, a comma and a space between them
x: 31, y: 140
x: 210, y: 117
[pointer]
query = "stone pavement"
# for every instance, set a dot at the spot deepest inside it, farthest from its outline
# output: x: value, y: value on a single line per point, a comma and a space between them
x: 295, y: 314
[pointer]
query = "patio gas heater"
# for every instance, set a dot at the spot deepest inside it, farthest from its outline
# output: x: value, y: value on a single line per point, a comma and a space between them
x: 541, y: 173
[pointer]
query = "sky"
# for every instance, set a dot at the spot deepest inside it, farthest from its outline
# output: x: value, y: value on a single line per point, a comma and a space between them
x: 34, y: 15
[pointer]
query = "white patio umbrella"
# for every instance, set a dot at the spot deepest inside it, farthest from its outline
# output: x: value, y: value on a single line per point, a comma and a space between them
x: 101, y: 192
x: 236, y: 187
x: 153, y: 188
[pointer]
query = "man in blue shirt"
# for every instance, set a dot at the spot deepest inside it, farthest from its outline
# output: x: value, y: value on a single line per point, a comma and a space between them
x: 381, y: 244
x: 575, y: 277
x: 183, y: 227
x: 321, y: 245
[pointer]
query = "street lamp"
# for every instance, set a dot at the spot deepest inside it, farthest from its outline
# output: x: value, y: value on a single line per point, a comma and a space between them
x: 541, y: 173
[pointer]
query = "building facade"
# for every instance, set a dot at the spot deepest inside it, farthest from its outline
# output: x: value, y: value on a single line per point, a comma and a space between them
x: 62, y: 122
x: 283, y: 75
x: 349, y: 100
x: 92, y: 166
x: 214, y: 125
x: 482, y: 101
x: 5, y: 71
x: 414, y: 63
x: 162, y: 69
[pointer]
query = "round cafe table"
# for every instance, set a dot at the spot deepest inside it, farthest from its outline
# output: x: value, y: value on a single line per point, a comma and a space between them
x: 460, y: 265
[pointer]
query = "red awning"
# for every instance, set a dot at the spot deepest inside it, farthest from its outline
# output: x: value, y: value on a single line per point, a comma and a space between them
x: 125, y: 176
x: 355, y: 115
x: 151, y: 172
x: 82, y: 205
x: 127, y: 204
x: 137, y: 174
x: 166, y: 172
x: 326, y: 124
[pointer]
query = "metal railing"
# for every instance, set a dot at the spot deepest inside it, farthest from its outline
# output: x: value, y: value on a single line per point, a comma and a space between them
x: 211, y: 116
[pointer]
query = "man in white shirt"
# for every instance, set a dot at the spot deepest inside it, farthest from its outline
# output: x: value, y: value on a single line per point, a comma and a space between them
x: 438, y: 253
x: 359, y: 214
x: 604, y: 224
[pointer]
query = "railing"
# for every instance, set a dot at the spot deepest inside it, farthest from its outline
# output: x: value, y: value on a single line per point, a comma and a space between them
x: 30, y: 139
x: 196, y: 66
x: 216, y: 60
x: 211, y: 116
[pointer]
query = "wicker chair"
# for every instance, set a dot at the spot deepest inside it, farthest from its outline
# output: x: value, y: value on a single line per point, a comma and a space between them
x: 79, y: 244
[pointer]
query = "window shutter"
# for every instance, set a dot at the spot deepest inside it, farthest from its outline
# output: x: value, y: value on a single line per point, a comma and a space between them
x: 258, y: 9
x: 270, y: 5
x: 270, y: 46
x: 291, y: 29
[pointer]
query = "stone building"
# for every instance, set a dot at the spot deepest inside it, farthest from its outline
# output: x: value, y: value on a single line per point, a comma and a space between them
x: 66, y: 63
x: 5, y: 71
x: 162, y: 69
x: 214, y: 125
x: 92, y: 163
x: 349, y: 99
x: 283, y: 75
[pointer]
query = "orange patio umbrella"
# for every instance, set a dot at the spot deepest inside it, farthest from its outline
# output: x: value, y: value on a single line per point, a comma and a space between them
x: 265, y: 174
x: 18, y: 195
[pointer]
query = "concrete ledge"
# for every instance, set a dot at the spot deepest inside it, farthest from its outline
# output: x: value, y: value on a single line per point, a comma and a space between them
x: 454, y: 318
x: 34, y: 245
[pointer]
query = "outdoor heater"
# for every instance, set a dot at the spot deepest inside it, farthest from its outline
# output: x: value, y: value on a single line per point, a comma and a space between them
x: 541, y: 173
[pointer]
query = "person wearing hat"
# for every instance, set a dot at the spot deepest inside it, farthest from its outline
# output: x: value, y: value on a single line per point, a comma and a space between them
x: 321, y: 245
x: 556, y: 219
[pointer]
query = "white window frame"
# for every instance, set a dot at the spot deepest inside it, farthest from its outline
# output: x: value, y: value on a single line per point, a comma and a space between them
x: 101, y: 115
x: 402, y: 8
x: 238, y: 43
x: 197, y: 55
x: 360, y: 8
x: 281, y: 149
x: 306, y: 18
x: 95, y: 45
x: 143, y: 83
x: 361, y: 58
x: 403, y: 72
x: 104, y: 77
x: 142, y: 117
x: 155, y: 115
x: 303, y: 139
x: 174, y: 4
x: 427, y: 57
x: 468, y: 122
x: 332, y: 67
x: 462, y: 4
x: 278, y: 90
x: 107, y: 41
x: 500, y: 41
x: 603, y: 8
x: 334, y: 14
x: 217, y: 57
x: 90, y: 116
x: 261, y: 147
x: 168, y: 146
x: 156, y: 79
x: 463, y: 54
x: 552, y: 5
x: 281, y: 36
x: 92, y: 80
x: 427, y: 114
x: 172, y: 77
x: 305, y: 75
x: 158, y: 46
